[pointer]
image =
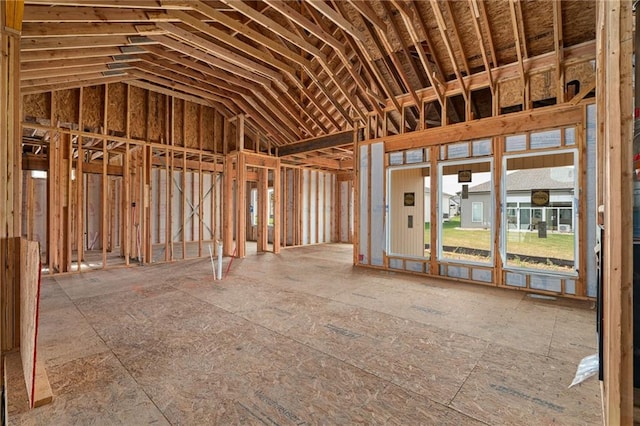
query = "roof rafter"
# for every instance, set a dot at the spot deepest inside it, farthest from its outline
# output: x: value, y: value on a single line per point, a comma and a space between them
x: 558, y: 45
x: 337, y: 19
x: 456, y: 36
x: 221, y: 52
x: 322, y: 60
x: 403, y: 45
x: 65, y: 63
x: 406, y: 14
x: 383, y: 45
x: 516, y: 37
x: 475, y: 16
x: 369, y: 63
x: 261, y: 39
x: 63, y: 71
x: 366, y: 11
x: 198, y: 54
x: 442, y: 27
x: 271, y: 25
x: 231, y: 41
x: 487, y: 27
x: 28, y: 44
x: 42, y: 13
x: 346, y: 62
x: 68, y: 82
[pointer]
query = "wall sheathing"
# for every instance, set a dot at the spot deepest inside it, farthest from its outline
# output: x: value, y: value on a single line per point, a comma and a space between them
x: 591, y: 203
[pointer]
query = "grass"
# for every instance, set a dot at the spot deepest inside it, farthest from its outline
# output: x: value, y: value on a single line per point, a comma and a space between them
x: 557, y: 246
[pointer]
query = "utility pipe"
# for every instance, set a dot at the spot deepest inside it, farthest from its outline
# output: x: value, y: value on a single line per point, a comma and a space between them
x: 213, y: 269
x: 219, y: 260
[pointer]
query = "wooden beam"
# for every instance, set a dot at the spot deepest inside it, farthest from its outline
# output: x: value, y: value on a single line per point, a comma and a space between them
x: 559, y: 50
x: 338, y: 19
x: 103, y: 204
x: 62, y: 83
x: 271, y: 25
x: 116, y: 4
x: 40, y: 75
x: 456, y: 36
x: 170, y: 92
x: 442, y: 27
x: 222, y: 53
x: 516, y: 37
x: 70, y: 64
x: 64, y: 43
x: 10, y: 131
x: 313, y: 28
x: 316, y: 161
x: 583, y: 93
x: 521, y: 29
x: 385, y: 49
x: 340, y: 51
x: 395, y: 29
x: 244, y: 29
x: 487, y: 27
x: 192, y: 52
x: 368, y: 13
x: 47, y: 13
x: 475, y: 20
x: 315, y: 144
x: 407, y: 16
x: 77, y: 29
x: 614, y: 35
x: 220, y: 35
x: 367, y: 60
x: 574, y: 54
x: 153, y: 77
x: 541, y: 118
x: 99, y: 136
x: 64, y: 55
x: 13, y: 14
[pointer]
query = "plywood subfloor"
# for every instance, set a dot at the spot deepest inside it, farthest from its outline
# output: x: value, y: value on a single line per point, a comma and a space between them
x: 303, y: 337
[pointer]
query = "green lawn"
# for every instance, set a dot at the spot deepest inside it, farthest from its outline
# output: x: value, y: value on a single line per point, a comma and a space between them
x: 558, y: 246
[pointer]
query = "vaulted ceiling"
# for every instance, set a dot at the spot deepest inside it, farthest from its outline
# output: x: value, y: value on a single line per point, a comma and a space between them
x: 296, y: 69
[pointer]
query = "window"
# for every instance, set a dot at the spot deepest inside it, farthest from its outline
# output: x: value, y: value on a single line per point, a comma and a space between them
x: 476, y: 212
x: 544, y: 236
x: 253, y: 207
x: 465, y: 236
x: 271, y: 206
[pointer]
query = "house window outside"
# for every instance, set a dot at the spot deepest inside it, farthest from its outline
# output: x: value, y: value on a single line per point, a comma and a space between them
x: 476, y: 212
x: 271, y: 206
x: 524, y: 245
x: 512, y: 215
x: 253, y: 207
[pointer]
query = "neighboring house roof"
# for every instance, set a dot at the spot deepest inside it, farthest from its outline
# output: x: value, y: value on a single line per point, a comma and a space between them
x: 525, y: 180
x: 444, y: 194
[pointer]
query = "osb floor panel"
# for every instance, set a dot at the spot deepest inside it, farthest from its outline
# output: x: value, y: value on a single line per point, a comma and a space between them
x: 303, y: 337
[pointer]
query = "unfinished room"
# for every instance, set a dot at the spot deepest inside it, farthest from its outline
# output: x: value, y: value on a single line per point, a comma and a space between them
x: 412, y: 212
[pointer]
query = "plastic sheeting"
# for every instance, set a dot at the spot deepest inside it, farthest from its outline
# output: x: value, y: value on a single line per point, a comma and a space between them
x: 363, y: 256
x: 377, y: 204
x: 591, y: 201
